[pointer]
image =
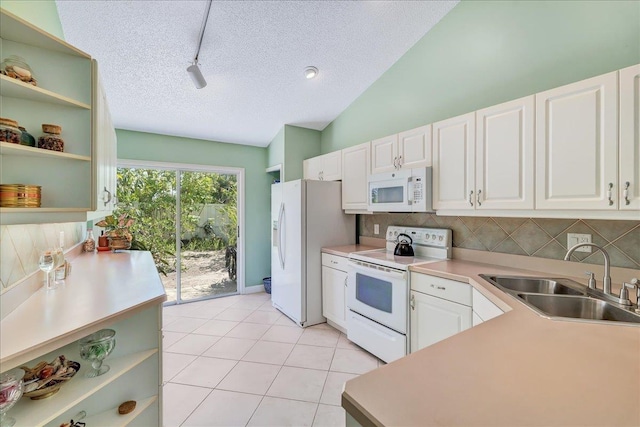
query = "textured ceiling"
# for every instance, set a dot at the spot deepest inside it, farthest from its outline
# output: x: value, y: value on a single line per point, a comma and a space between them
x: 253, y: 56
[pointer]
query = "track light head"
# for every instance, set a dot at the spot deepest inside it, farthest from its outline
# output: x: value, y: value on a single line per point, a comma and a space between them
x: 196, y: 76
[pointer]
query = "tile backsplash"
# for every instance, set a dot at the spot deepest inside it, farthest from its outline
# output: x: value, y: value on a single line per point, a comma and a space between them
x: 538, y: 237
x: 20, y: 246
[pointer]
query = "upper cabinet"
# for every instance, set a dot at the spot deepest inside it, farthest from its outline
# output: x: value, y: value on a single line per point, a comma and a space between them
x: 409, y: 149
x: 504, y: 155
x: 454, y: 163
x: 629, y: 181
x: 355, y: 177
x: 327, y: 167
x: 576, y: 145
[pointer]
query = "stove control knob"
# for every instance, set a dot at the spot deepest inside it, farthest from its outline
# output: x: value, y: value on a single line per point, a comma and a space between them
x: 441, y: 238
x: 433, y: 236
x: 426, y: 237
x: 395, y: 233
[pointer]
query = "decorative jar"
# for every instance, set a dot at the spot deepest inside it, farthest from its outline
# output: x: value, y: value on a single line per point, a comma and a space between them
x: 16, y: 67
x: 9, y: 131
x: 26, y: 138
x: 51, y: 140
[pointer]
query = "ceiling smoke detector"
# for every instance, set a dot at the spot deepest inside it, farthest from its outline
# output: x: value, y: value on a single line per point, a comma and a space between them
x: 310, y: 72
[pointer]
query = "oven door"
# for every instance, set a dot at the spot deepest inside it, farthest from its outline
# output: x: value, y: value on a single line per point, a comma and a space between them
x: 378, y: 293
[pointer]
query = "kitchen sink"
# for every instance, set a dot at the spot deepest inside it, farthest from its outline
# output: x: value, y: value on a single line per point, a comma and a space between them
x: 562, y: 298
x: 578, y: 308
x: 534, y: 285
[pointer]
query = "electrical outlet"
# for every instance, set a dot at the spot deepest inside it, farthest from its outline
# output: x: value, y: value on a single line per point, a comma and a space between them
x: 376, y: 228
x: 575, y: 238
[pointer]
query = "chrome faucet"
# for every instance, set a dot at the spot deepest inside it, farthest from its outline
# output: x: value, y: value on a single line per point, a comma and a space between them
x: 607, y: 264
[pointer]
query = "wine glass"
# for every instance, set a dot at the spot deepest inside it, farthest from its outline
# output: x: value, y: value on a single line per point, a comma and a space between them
x: 96, y: 347
x: 46, y: 263
x: 11, y: 388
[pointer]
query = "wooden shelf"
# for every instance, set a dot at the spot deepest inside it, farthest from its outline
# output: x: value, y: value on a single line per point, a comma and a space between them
x: 30, y: 413
x: 14, y: 88
x: 112, y: 418
x: 9, y: 149
x: 42, y: 210
x: 17, y: 29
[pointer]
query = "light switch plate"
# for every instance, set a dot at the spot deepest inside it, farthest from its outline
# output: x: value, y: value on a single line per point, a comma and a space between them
x: 376, y: 228
x: 575, y: 238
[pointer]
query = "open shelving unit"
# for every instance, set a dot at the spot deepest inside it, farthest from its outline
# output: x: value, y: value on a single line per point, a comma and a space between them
x: 14, y: 88
x: 9, y: 149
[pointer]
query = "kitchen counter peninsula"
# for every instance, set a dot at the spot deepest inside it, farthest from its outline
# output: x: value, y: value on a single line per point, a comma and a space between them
x: 120, y: 291
x: 516, y: 369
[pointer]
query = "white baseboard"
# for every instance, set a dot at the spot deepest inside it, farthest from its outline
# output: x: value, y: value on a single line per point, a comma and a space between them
x: 253, y: 289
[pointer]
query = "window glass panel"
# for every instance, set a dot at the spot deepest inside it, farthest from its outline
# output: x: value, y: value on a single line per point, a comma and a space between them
x: 374, y: 292
x: 388, y: 195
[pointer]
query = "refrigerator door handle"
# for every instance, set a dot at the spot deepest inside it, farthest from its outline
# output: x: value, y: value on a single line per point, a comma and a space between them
x: 280, y: 226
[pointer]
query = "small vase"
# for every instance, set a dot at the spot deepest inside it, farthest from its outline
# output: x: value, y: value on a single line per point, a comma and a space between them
x: 118, y: 243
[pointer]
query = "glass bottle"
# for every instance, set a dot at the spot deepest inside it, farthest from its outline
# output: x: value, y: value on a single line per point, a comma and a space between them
x: 60, y: 272
x: 89, y: 244
x: 26, y: 138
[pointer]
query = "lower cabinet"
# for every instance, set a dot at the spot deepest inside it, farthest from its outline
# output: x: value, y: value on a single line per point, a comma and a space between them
x: 483, y: 309
x: 440, y: 308
x: 334, y: 290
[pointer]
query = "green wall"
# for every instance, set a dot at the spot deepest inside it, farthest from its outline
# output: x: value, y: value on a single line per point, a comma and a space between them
x: 486, y: 52
x: 161, y: 148
x: 41, y: 13
x: 300, y: 144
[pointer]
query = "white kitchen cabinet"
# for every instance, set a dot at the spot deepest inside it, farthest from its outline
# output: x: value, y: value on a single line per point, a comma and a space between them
x: 62, y: 98
x: 334, y: 290
x: 440, y: 308
x: 327, y: 167
x: 104, y: 145
x: 355, y: 177
x: 454, y: 163
x: 504, y: 155
x: 406, y: 150
x: 629, y: 181
x: 576, y: 145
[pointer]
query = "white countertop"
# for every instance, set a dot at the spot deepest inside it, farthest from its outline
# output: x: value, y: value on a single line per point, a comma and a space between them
x: 101, y: 287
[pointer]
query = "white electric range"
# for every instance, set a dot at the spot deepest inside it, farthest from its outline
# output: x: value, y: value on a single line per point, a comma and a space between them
x: 378, y: 289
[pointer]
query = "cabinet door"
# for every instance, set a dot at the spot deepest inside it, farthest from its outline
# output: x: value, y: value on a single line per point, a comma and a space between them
x: 332, y: 166
x: 476, y: 320
x: 434, y: 319
x: 384, y: 154
x: 629, y: 138
x: 453, y: 163
x: 414, y: 148
x: 334, y: 284
x: 505, y: 155
x: 311, y: 168
x: 576, y: 145
x: 354, y: 177
x: 104, y: 148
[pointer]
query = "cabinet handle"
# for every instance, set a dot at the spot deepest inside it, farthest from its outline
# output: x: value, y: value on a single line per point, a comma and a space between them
x: 478, y: 198
x: 345, y: 281
x: 413, y: 302
x: 610, y: 194
x: 442, y: 288
x: 395, y: 163
x: 625, y: 193
x: 108, y: 198
x: 470, y: 197
x: 334, y: 262
x: 399, y: 162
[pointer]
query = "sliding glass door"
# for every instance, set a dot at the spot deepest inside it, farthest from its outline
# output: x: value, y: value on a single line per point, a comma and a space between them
x: 188, y: 218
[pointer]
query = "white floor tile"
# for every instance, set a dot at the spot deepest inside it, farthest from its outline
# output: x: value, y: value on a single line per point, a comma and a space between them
x: 309, y: 356
x: 298, y: 384
x: 343, y: 342
x: 170, y: 338
x: 230, y: 348
x: 216, y: 327
x: 179, y: 401
x: 179, y: 310
x: 235, y: 314
x: 248, y: 303
x: 274, y: 353
x: 184, y: 324
x: 283, y: 412
x: 205, y: 312
x: 193, y: 344
x: 248, y: 330
x: 249, y: 377
x: 224, y: 408
x: 167, y: 319
x: 330, y: 416
x: 172, y: 363
x: 268, y: 306
x: 333, y: 387
x: 264, y: 317
x: 223, y: 302
x: 204, y: 372
x: 281, y: 333
x: 353, y: 361
x: 320, y: 336
x: 285, y: 321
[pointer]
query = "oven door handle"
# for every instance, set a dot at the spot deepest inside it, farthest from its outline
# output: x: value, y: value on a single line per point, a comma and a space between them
x: 380, y: 273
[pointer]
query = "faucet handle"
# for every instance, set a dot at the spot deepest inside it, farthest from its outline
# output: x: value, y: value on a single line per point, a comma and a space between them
x: 624, y: 294
x: 592, y: 279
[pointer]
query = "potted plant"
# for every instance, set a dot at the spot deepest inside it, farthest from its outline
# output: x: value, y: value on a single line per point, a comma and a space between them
x: 118, y: 231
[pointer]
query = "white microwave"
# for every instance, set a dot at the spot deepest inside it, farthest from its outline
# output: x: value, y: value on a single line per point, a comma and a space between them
x: 407, y: 190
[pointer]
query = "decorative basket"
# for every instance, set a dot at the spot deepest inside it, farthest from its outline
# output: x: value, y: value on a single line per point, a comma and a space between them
x: 118, y: 243
x: 20, y: 196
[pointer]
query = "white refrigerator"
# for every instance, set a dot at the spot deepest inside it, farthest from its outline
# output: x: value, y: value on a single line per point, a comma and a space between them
x: 306, y: 216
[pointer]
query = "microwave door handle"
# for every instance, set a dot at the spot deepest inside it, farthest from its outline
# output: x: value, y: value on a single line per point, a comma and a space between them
x: 410, y: 191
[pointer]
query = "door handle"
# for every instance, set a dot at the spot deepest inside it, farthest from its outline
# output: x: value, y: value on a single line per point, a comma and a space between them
x: 470, y: 197
x: 478, y: 198
x: 625, y: 193
x: 395, y: 163
x: 345, y: 281
x: 399, y: 162
x: 413, y: 302
x: 280, y: 216
x: 610, y: 194
x: 107, y: 198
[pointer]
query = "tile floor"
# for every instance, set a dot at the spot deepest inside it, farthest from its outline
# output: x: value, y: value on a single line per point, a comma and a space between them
x: 237, y: 361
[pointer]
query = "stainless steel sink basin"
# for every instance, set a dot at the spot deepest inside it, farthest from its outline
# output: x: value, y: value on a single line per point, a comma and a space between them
x: 534, y: 285
x: 578, y: 308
